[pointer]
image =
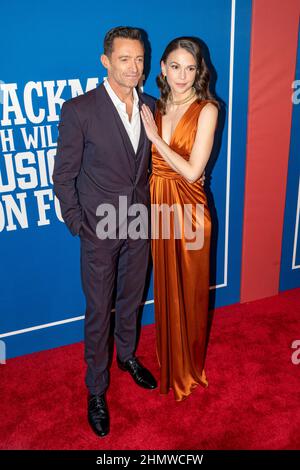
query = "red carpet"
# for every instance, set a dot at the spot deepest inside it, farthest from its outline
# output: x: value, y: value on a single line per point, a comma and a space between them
x: 252, y: 401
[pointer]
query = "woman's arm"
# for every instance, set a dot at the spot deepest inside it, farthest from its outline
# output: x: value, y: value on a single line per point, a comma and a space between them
x: 193, y: 168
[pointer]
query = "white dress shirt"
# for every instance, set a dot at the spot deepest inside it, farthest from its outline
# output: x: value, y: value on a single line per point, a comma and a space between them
x: 133, y: 127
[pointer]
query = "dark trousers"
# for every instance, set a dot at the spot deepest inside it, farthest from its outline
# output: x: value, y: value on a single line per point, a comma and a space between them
x: 103, y: 264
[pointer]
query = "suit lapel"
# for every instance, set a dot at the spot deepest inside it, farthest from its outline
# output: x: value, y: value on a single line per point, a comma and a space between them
x: 123, y: 132
x: 133, y: 158
x: 143, y: 137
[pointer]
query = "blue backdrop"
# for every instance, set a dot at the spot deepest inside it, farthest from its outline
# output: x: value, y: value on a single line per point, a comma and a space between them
x: 290, y: 257
x: 51, y: 53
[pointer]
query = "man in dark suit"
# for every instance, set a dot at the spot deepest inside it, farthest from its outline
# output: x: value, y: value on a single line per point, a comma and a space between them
x: 103, y: 153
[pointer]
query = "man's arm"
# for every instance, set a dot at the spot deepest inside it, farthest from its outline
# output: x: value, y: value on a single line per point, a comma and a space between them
x: 67, y: 165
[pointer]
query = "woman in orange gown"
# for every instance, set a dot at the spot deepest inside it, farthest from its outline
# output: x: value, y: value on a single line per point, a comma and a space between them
x: 182, y: 134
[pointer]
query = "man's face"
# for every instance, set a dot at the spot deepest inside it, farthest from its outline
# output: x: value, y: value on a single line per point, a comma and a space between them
x: 126, y: 64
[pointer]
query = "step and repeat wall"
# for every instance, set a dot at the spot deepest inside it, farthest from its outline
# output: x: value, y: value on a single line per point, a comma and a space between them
x: 290, y: 259
x: 50, y: 53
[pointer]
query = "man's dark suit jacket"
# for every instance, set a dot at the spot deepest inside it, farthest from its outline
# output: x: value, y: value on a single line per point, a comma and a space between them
x: 95, y: 161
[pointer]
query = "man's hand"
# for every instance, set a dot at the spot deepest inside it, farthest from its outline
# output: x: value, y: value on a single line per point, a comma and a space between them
x: 149, y: 123
x: 202, y: 178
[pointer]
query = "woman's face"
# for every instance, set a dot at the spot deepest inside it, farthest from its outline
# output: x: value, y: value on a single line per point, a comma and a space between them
x: 180, y: 70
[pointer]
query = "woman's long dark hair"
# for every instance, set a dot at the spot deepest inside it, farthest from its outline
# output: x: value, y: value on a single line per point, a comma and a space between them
x: 201, y: 83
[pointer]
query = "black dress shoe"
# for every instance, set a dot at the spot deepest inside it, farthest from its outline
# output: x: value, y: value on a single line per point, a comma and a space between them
x: 138, y: 372
x: 98, y: 414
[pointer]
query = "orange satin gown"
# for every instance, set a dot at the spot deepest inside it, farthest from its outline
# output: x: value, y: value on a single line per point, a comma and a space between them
x: 181, y: 276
